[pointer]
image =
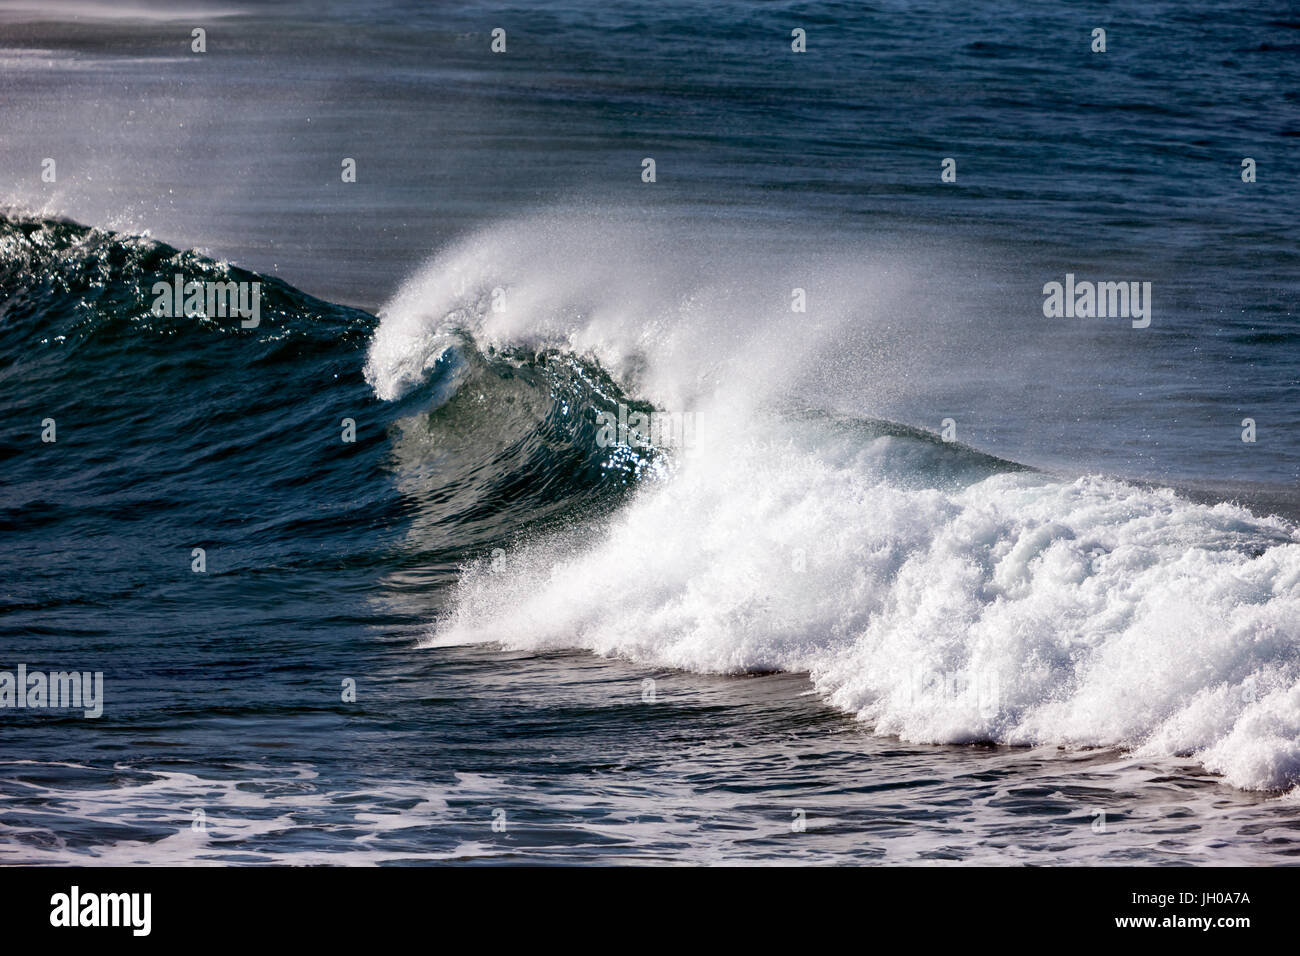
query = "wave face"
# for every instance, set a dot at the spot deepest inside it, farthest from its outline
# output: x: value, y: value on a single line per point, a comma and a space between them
x: 159, y: 417
x: 937, y: 593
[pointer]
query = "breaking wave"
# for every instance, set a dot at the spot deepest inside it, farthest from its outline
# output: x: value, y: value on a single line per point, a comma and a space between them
x: 938, y: 593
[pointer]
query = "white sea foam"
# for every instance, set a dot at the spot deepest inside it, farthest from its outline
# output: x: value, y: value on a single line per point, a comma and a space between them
x: 932, y: 598
x: 1097, y: 613
x: 671, y: 320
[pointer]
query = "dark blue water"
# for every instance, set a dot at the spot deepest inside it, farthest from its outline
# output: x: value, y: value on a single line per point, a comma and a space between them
x: 791, y: 588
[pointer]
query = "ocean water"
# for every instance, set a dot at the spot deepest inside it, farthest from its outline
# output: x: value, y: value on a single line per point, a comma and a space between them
x: 914, y: 575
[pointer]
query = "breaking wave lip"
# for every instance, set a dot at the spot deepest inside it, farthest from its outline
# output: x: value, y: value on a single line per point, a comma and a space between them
x: 929, y: 590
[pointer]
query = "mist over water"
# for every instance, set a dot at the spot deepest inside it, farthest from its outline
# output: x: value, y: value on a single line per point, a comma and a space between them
x: 1087, y: 600
x: 1122, y: 166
